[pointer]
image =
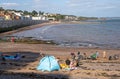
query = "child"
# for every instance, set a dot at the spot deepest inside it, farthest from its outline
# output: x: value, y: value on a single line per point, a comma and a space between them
x: 67, y: 61
x: 73, y: 64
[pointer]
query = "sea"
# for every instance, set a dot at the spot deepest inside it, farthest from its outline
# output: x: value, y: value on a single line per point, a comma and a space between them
x: 93, y: 34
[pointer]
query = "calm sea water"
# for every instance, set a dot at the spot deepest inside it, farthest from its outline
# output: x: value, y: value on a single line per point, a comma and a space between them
x: 102, y: 34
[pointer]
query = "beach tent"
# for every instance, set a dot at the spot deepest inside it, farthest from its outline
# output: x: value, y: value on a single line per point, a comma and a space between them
x: 94, y: 56
x: 48, y: 63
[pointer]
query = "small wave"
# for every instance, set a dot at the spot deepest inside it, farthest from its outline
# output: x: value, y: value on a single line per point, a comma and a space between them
x: 45, y: 29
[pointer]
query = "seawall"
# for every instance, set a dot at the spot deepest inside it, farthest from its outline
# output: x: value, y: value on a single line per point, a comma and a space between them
x: 11, y: 23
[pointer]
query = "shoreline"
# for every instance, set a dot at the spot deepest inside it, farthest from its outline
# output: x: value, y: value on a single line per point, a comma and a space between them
x: 29, y: 28
x: 42, y: 25
x: 52, y: 42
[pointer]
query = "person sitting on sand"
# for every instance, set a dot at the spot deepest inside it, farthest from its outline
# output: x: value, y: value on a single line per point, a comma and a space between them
x: 104, y: 54
x: 84, y: 56
x: 116, y: 57
x: 79, y: 57
x: 97, y: 54
x: 63, y: 65
x: 73, y: 64
x: 73, y: 56
x: 12, y: 39
x: 67, y: 61
x: 110, y: 57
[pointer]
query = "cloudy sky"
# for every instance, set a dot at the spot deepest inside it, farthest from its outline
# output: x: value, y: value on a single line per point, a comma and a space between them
x: 99, y: 8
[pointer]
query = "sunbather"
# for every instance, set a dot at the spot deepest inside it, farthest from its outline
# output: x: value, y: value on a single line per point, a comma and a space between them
x: 11, y: 57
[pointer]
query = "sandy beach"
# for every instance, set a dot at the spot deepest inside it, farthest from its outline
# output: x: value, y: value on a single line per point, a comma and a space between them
x: 25, y: 68
x: 90, y: 69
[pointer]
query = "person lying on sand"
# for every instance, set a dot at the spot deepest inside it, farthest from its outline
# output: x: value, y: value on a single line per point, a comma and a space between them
x: 11, y: 57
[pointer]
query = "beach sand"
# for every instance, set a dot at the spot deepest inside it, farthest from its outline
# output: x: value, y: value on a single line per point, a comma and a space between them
x: 25, y: 68
x: 89, y: 69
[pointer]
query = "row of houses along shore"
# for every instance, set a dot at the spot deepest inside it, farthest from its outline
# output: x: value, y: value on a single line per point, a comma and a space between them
x: 12, y: 15
x: 12, y: 18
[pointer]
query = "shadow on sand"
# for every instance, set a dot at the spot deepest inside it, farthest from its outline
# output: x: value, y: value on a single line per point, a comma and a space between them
x: 8, y: 66
x: 32, y: 75
x: 26, y: 58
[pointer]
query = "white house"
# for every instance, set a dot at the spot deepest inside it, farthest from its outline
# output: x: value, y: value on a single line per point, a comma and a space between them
x: 70, y: 17
x: 51, y: 18
x: 44, y: 18
x: 41, y: 17
x: 20, y: 14
x: 27, y: 17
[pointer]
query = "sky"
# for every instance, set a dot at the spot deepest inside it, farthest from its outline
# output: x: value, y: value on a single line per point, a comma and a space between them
x: 90, y: 8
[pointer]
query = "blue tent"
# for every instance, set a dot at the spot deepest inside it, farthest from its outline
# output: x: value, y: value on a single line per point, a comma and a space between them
x: 48, y: 63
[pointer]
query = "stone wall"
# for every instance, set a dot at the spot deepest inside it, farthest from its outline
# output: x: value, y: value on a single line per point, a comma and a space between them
x: 10, y: 23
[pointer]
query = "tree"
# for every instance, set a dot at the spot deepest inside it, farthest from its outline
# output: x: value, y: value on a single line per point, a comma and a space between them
x: 26, y: 12
x: 41, y: 13
x: 19, y: 11
x: 34, y: 13
x: 6, y: 12
x: 87, y: 18
x: 60, y: 17
x: 1, y: 9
